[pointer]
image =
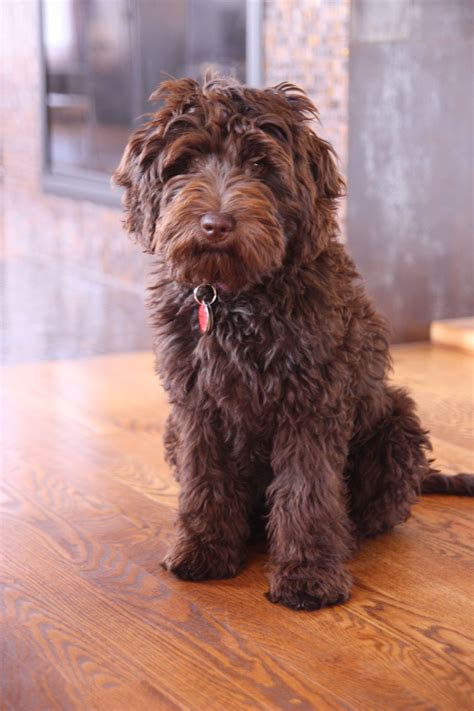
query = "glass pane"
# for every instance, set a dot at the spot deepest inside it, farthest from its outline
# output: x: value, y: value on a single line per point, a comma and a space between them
x: 105, y: 57
x: 185, y: 37
x: 89, y: 83
x: 215, y: 37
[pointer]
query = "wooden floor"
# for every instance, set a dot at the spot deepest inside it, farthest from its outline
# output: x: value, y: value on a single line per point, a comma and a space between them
x: 91, y: 621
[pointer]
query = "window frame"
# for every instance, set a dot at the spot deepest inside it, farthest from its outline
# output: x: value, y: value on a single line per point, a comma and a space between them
x: 96, y: 187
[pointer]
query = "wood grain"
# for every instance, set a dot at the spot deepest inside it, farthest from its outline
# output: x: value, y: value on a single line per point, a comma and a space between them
x: 91, y: 621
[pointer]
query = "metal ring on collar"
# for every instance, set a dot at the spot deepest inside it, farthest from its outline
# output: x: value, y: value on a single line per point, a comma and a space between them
x: 202, y: 299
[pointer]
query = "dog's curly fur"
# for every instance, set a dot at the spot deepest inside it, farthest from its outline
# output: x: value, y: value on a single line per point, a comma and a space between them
x: 283, y: 412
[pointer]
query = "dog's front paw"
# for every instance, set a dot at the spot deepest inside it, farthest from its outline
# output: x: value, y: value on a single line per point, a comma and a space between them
x: 309, y: 589
x: 190, y: 560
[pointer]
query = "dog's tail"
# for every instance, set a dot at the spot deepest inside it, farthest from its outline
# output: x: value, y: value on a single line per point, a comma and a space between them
x: 455, y: 485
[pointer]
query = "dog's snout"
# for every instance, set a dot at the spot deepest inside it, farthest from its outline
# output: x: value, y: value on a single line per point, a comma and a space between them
x: 217, y: 224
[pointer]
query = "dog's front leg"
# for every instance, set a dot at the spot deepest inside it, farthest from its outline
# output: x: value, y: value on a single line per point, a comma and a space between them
x: 308, y: 525
x: 213, y: 520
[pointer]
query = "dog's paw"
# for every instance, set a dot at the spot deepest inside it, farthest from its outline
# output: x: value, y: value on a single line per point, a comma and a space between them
x: 197, y: 561
x: 309, y: 591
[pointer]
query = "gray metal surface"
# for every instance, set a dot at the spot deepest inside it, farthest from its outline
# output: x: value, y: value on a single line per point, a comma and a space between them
x: 411, y: 119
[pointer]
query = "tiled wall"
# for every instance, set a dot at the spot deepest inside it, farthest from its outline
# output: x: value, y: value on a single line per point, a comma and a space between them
x: 307, y: 43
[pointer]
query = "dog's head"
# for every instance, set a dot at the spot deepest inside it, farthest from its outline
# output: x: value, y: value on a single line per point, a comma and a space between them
x: 226, y: 182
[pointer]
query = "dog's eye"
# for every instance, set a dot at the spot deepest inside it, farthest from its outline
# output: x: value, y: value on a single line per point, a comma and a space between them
x: 257, y: 163
x: 172, y: 170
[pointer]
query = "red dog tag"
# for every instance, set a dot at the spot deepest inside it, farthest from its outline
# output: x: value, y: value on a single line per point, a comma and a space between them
x: 205, y: 295
x: 205, y: 317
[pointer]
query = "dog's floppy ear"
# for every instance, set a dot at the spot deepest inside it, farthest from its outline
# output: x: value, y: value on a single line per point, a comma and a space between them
x: 320, y: 195
x: 140, y: 170
x: 321, y: 156
x: 138, y: 174
x: 319, y: 180
x: 323, y: 164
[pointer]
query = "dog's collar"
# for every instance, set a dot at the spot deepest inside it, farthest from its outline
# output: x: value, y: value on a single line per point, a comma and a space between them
x: 205, y: 295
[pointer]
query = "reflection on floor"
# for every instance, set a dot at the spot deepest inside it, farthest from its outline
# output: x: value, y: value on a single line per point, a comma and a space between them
x: 93, y: 622
x: 50, y: 314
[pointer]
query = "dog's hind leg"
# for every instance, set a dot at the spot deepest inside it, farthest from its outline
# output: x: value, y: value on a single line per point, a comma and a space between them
x: 387, y: 463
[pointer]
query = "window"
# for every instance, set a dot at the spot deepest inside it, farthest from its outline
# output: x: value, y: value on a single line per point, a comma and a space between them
x: 103, y: 58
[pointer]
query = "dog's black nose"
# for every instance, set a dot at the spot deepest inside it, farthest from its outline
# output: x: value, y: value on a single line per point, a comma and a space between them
x: 217, y: 224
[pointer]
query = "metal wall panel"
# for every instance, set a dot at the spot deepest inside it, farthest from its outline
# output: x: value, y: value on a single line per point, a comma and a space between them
x: 411, y: 119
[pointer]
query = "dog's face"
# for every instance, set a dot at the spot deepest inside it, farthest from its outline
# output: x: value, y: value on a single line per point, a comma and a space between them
x: 226, y: 182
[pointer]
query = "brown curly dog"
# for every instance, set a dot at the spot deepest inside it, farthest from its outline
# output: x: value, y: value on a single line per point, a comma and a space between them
x: 281, y: 411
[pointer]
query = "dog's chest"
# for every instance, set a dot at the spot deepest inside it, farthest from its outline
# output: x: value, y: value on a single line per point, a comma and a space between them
x: 243, y: 364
